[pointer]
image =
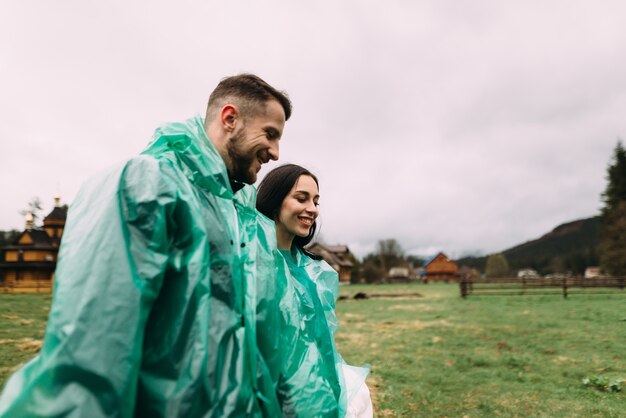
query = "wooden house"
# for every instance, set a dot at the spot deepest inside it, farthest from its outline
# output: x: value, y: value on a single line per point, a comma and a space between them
x: 28, y: 264
x: 440, y: 268
x: 338, y: 256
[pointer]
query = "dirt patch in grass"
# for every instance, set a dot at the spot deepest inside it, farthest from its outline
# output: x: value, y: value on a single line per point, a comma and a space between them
x: 353, y: 317
x: 374, y: 383
x: 563, y: 359
x: 528, y: 403
x: 30, y: 345
x: 416, y: 325
x: 17, y: 319
x: 397, y: 297
x: 353, y: 338
x: 411, y: 308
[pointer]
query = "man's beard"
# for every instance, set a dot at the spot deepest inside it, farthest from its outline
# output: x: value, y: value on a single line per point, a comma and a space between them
x: 240, y: 163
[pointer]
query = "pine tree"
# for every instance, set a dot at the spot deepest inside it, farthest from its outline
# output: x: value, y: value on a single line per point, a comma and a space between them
x: 613, y: 229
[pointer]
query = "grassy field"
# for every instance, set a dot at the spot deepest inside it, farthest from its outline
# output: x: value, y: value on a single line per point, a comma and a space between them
x: 491, y: 356
x: 442, y: 356
x: 22, y: 323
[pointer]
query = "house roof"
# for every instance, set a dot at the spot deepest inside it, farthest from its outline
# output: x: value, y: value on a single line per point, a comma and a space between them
x: 59, y: 213
x: 431, y: 259
x: 333, y: 254
x: 39, y: 238
x: 337, y: 249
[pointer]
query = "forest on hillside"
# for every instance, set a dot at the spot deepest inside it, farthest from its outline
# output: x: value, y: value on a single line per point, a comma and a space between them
x: 568, y: 248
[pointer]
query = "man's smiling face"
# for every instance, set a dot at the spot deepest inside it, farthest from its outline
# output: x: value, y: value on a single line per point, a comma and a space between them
x: 256, y: 142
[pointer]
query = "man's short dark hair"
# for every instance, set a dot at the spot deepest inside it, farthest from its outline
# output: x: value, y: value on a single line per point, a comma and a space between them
x: 249, y: 93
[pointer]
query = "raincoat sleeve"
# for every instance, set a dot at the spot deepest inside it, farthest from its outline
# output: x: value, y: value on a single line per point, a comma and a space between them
x: 269, y: 291
x: 110, y: 270
x: 326, y: 280
x: 327, y: 285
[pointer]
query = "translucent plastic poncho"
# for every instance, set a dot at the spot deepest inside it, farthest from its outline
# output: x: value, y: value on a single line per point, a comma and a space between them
x: 153, y: 307
x: 304, y: 364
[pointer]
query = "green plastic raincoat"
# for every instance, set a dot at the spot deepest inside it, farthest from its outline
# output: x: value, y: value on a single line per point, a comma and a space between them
x: 153, y: 308
x: 304, y: 364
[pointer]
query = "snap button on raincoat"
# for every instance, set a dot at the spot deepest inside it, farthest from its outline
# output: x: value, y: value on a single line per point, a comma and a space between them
x: 154, y: 298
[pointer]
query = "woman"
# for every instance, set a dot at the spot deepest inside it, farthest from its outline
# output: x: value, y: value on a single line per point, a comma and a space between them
x: 311, y: 377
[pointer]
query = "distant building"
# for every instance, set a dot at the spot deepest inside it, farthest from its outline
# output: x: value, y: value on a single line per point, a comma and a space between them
x: 592, y: 272
x: 440, y: 268
x: 527, y: 274
x: 28, y: 264
x: 338, y: 256
x: 399, y: 275
x: 417, y: 273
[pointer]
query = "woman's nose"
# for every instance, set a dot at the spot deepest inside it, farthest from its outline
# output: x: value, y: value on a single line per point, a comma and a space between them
x: 312, y: 208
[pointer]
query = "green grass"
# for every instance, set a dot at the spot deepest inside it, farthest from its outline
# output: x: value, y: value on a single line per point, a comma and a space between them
x: 442, y: 356
x: 22, y: 322
x: 490, y: 356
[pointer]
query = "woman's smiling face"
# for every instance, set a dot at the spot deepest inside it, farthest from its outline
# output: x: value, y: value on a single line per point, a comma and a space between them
x: 299, y: 208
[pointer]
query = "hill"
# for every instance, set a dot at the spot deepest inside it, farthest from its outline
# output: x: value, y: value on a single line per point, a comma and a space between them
x: 568, y: 247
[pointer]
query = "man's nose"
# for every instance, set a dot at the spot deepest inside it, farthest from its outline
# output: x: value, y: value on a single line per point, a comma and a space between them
x: 273, y: 151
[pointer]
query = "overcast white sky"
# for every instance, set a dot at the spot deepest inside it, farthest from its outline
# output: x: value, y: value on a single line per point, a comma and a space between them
x: 467, y: 127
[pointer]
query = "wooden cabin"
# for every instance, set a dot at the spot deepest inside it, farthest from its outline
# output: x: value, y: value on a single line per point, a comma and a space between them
x: 28, y: 264
x: 338, y: 256
x: 440, y: 268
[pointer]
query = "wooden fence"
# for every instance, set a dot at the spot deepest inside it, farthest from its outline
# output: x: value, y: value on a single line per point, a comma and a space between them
x: 541, y: 286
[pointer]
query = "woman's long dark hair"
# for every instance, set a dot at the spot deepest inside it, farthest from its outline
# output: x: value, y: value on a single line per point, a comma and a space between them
x: 273, y: 190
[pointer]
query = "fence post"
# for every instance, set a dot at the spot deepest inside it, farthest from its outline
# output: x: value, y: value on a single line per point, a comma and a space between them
x: 463, y: 288
x: 564, y: 288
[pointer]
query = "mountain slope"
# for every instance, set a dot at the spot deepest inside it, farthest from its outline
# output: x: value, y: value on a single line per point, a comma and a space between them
x: 568, y: 247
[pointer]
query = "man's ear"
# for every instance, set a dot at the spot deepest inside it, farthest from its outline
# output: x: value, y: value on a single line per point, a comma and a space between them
x: 229, y: 115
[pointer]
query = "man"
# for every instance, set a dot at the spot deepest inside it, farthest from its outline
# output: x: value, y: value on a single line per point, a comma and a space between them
x: 153, y: 310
